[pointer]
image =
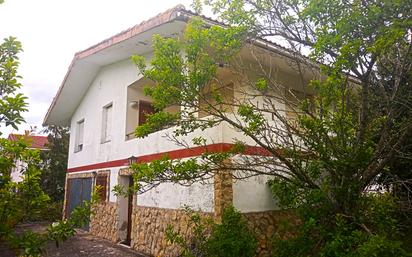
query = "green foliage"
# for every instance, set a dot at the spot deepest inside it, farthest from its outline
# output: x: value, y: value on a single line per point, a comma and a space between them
x: 254, y: 120
x: 54, y: 162
x: 372, y: 231
x: 182, y: 69
x: 382, y: 247
x: 230, y: 238
x: 12, y: 104
x: 23, y: 201
x: 51, y: 212
x: 29, y: 243
x: 156, y: 121
x: 261, y: 84
x: 324, y: 159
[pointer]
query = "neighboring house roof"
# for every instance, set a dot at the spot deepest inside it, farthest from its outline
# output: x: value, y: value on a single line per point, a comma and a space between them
x: 37, y: 142
x: 135, y: 40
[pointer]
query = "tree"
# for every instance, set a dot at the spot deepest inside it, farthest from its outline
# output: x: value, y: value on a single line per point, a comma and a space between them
x: 25, y: 200
x: 54, y: 162
x: 12, y: 104
x: 352, y: 121
x: 18, y: 201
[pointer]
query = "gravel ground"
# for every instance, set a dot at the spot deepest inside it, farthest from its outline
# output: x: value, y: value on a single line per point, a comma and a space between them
x: 81, y: 245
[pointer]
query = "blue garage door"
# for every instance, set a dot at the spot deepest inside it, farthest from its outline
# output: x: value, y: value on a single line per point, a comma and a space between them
x: 79, y: 190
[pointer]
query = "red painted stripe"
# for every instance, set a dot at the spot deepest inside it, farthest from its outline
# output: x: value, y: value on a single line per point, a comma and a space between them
x: 174, y: 154
x: 187, y: 152
x: 256, y: 150
x: 100, y: 165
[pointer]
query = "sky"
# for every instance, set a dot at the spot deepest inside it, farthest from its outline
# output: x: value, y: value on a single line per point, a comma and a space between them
x: 52, y: 31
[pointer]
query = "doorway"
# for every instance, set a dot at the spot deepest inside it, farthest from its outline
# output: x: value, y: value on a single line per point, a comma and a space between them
x: 125, y: 211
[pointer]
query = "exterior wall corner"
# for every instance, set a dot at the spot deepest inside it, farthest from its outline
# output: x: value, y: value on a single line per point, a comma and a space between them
x: 223, y: 192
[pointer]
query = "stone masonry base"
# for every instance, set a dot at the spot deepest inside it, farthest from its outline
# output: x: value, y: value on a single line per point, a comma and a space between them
x: 264, y: 225
x: 149, y: 226
x: 104, y: 222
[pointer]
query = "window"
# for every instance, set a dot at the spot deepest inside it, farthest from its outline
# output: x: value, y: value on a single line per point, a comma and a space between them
x: 107, y: 123
x: 139, y: 106
x: 79, y: 136
x: 102, y: 181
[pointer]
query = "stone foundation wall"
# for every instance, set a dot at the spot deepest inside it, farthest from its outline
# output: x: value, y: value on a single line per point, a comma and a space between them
x: 265, y: 224
x: 223, y: 196
x: 149, y: 226
x: 104, y: 222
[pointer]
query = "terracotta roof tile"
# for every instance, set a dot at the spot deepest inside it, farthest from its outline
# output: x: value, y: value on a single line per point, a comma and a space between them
x: 38, y: 142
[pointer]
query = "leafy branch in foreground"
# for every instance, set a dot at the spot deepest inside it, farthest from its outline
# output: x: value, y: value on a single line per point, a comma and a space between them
x: 12, y: 104
x: 29, y: 243
x: 327, y: 124
x: 23, y: 201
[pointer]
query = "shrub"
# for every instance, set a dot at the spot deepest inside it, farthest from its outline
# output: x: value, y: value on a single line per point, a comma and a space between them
x: 51, y: 212
x: 230, y: 238
x: 372, y: 230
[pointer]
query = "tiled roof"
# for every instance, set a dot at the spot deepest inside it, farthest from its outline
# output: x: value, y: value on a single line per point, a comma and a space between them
x: 38, y: 142
x: 177, y: 13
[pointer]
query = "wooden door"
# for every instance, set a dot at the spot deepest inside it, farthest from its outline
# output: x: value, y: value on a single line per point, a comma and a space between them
x: 78, y: 191
x: 145, y: 108
x: 129, y: 214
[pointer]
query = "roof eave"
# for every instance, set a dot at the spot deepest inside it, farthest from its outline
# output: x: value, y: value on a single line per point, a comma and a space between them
x: 144, y: 26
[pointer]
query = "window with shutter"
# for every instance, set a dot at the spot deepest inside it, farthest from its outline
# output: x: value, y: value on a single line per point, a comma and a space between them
x: 102, y: 181
x: 145, y: 109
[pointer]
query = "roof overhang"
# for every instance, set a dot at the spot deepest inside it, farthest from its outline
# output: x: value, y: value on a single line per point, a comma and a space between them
x: 87, y: 63
x: 135, y: 40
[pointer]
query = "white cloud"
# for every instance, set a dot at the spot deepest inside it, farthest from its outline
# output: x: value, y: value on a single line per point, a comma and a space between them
x: 52, y: 31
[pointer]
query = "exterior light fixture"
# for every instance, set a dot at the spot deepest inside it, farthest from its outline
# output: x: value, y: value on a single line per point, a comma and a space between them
x: 134, y: 103
x: 132, y: 159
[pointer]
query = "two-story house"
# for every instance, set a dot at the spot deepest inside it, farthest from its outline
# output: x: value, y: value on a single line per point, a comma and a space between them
x: 101, y: 99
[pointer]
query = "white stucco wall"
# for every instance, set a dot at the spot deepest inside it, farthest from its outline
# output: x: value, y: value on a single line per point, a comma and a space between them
x: 110, y: 86
x: 114, y: 172
x: 197, y: 197
x: 16, y: 172
x: 253, y: 195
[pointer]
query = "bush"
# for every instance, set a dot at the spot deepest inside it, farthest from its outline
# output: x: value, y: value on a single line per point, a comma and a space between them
x: 52, y: 212
x: 371, y: 231
x: 230, y: 238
